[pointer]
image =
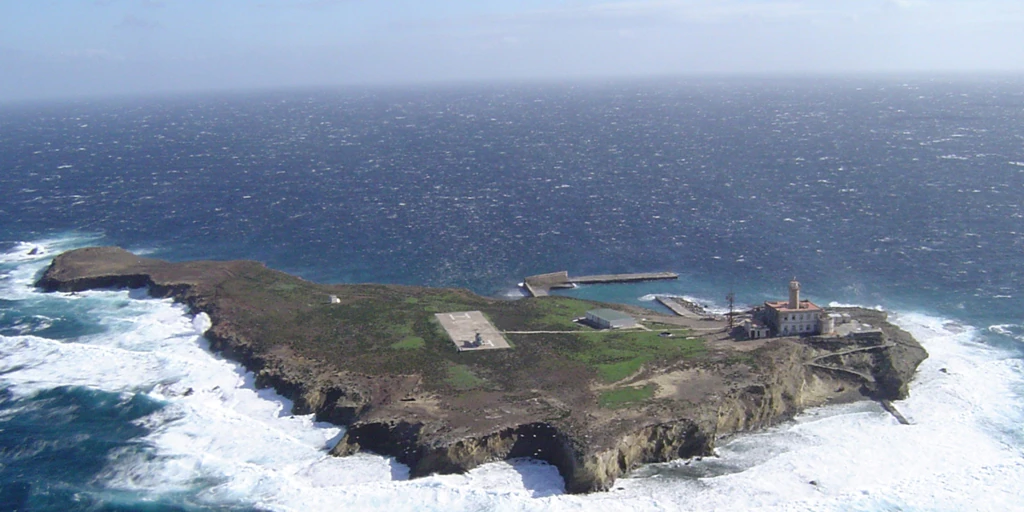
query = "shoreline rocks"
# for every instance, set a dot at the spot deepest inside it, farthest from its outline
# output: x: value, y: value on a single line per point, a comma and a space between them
x: 433, y: 428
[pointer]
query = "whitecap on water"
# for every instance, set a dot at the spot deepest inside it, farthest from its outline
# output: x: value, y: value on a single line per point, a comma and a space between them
x: 962, y: 452
x: 217, y: 436
x: 227, y: 443
x: 1014, y: 331
x: 709, y: 306
x: 514, y: 293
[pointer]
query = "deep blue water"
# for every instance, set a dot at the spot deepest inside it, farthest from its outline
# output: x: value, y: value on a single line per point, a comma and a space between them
x: 905, y: 194
x: 71, y: 432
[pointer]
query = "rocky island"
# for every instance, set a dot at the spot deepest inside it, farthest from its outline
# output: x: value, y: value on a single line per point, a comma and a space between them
x: 593, y: 403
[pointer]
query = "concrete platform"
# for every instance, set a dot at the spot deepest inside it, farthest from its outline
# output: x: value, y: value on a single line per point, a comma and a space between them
x: 462, y: 327
x: 540, y: 285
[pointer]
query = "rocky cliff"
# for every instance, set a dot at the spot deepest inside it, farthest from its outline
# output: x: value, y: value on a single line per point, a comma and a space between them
x: 340, y: 361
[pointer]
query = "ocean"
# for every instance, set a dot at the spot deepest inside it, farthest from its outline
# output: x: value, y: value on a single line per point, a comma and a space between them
x: 900, y: 194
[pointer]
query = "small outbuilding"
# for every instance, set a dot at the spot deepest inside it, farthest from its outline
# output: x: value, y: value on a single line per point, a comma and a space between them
x: 610, y: 319
x: 755, y: 329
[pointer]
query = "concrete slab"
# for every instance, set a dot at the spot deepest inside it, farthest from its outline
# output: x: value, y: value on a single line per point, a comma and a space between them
x: 463, y: 326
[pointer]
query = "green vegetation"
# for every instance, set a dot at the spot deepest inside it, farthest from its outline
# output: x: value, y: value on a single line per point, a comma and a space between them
x: 283, y: 287
x: 618, y: 354
x: 410, y: 343
x: 742, y: 358
x: 461, y: 377
x: 622, y: 397
x: 658, y: 326
x: 387, y: 329
x: 556, y: 314
x: 614, y: 372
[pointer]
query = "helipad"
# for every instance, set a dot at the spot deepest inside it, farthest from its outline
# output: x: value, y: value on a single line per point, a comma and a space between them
x: 463, y: 327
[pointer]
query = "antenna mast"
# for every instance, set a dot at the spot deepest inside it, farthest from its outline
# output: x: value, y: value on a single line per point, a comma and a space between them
x: 731, y: 297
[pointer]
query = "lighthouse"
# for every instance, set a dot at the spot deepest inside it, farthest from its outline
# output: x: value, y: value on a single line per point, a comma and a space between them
x: 794, y: 294
x: 793, y: 317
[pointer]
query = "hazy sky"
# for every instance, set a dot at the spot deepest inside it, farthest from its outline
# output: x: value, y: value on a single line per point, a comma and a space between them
x: 54, y: 48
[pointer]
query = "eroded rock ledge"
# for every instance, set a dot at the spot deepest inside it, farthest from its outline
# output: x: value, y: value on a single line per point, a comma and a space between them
x: 374, y: 362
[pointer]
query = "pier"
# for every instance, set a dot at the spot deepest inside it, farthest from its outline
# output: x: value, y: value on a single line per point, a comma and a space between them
x: 540, y: 285
x: 682, y: 307
x: 891, y: 409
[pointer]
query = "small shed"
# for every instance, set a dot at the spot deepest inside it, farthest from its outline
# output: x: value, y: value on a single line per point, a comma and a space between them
x: 755, y: 329
x: 610, y: 319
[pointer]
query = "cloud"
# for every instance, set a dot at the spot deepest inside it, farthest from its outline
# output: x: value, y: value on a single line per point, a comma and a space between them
x: 132, y: 22
x: 151, y: 4
x: 302, y: 5
x: 706, y: 11
x: 90, y: 54
x: 717, y: 12
x: 906, y: 4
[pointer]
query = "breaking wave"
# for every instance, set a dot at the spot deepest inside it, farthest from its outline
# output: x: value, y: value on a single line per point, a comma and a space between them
x: 216, y: 441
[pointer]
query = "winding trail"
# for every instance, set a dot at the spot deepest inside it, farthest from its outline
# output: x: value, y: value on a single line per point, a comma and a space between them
x: 887, y: 344
x: 864, y: 376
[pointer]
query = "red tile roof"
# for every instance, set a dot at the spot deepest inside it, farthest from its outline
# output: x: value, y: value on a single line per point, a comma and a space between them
x: 782, y: 306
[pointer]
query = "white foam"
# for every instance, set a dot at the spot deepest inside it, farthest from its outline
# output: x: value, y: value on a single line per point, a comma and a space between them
x: 709, y: 305
x: 45, y: 248
x: 514, y: 293
x: 202, y: 323
x: 963, y: 451
x: 228, y: 443
x: 835, y: 304
x: 1014, y: 331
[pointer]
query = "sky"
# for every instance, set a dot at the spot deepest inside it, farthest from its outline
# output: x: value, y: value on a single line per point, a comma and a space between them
x: 69, y: 48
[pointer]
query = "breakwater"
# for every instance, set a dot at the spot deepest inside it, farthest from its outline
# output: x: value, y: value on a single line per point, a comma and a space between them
x: 540, y: 285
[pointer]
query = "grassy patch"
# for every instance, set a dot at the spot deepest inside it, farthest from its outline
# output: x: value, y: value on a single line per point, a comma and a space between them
x: 556, y: 313
x: 461, y: 377
x: 283, y: 287
x: 622, y: 397
x: 614, y: 372
x: 742, y: 358
x: 399, y: 328
x: 617, y: 355
x: 410, y: 343
x: 442, y: 301
x: 384, y: 329
x: 658, y: 326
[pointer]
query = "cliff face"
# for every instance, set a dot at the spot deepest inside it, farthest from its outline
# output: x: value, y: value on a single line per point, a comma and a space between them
x: 785, y: 386
x: 583, y: 469
x: 311, y: 388
x: 432, y: 430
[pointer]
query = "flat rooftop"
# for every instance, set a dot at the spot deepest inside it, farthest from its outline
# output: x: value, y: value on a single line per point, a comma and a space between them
x: 806, y: 306
x: 463, y: 326
x: 610, y: 315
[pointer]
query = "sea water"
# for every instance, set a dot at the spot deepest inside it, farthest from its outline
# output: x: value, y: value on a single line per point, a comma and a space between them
x: 903, y: 196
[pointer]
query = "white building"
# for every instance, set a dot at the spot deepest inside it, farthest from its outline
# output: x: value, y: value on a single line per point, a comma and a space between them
x: 610, y: 319
x: 755, y: 329
x: 796, y: 317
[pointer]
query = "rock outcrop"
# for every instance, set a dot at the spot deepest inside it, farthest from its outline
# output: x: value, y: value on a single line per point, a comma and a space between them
x: 328, y: 349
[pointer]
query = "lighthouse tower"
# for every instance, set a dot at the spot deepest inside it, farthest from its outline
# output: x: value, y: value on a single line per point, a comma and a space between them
x: 793, y: 317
